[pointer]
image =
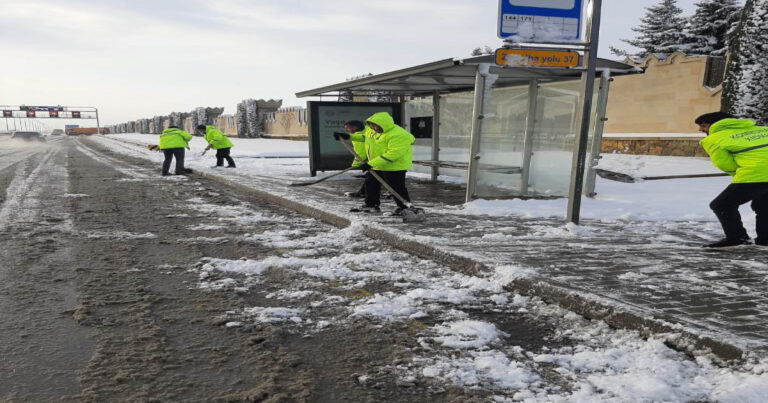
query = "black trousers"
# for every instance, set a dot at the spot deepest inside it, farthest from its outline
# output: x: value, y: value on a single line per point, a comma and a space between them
x: 362, y: 187
x: 221, y: 155
x: 395, y: 179
x: 171, y: 153
x: 726, y: 208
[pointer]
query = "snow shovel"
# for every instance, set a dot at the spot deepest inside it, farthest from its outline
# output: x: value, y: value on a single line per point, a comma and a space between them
x: 620, y: 177
x: 321, y: 179
x: 410, y: 213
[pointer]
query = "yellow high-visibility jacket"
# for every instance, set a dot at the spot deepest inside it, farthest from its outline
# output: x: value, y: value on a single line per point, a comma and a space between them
x: 216, y: 138
x: 740, y: 148
x: 174, y: 138
x: 390, y: 150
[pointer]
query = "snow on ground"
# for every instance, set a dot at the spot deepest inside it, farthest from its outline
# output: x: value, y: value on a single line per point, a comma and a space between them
x: 257, y: 156
x: 598, y: 363
x: 672, y: 200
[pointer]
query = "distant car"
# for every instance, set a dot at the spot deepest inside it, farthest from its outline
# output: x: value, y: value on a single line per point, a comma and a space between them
x: 57, y: 132
x: 28, y: 136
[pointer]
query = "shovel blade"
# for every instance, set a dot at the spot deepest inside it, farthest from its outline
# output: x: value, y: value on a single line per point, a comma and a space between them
x: 414, y: 214
x: 615, y: 176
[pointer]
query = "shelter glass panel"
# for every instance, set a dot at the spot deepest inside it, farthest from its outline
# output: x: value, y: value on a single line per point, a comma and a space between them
x: 419, y: 113
x: 554, y: 137
x: 502, y: 140
x: 518, y: 158
x: 455, y: 130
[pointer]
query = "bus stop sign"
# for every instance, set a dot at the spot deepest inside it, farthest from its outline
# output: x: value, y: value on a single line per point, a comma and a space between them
x: 540, y: 20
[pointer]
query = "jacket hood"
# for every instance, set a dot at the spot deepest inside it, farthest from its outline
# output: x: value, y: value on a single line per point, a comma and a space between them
x: 383, y: 120
x: 731, y: 124
x: 170, y: 130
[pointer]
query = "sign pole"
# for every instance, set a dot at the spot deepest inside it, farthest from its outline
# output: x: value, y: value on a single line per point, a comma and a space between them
x: 587, y: 90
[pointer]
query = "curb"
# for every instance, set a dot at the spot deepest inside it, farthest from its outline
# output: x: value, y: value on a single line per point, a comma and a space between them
x: 616, y: 317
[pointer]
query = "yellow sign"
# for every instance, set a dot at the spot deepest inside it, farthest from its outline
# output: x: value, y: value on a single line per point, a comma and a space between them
x: 536, y: 58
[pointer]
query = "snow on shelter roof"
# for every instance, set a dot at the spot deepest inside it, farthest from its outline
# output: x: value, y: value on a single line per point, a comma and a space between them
x: 454, y: 75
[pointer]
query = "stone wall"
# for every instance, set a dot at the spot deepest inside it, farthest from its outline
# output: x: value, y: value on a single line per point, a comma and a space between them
x: 667, y: 146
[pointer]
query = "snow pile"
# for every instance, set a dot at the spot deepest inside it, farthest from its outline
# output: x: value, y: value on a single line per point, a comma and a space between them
x: 488, y: 369
x: 390, y: 306
x: 504, y: 275
x: 290, y: 294
x: 242, y: 266
x: 273, y: 314
x: 233, y: 214
x: 465, y: 334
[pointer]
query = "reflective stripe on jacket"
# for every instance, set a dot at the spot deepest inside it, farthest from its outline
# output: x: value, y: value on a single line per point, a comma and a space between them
x: 216, y: 138
x: 390, y: 150
x: 174, y: 138
x: 740, y: 148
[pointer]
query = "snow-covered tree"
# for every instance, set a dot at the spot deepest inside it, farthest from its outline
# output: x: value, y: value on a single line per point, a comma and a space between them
x: 708, y: 28
x: 241, y: 118
x: 745, y: 90
x: 661, y: 30
x: 482, y: 50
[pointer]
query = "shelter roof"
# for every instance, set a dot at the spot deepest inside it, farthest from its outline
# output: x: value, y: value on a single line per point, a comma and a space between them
x: 454, y: 75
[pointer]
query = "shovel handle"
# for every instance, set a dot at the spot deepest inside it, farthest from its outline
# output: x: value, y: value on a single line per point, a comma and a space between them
x: 321, y: 179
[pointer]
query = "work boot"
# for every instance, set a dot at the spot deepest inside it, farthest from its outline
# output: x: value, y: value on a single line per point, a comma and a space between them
x: 728, y: 243
x: 398, y: 211
x: 355, y: 195
x: 365, y: 209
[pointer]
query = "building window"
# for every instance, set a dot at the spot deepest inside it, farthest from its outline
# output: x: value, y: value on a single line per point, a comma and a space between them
x: 715, y: 72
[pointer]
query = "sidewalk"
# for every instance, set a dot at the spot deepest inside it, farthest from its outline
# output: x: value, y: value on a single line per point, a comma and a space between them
x: 649, y: 276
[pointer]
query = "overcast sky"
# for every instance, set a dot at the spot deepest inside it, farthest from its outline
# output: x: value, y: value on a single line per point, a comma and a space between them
x: 139, y: 58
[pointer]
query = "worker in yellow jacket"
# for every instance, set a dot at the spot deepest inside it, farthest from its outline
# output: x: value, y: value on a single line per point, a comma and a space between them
x: 740, y: 148
x: 173, y: 141
x: 388, y: 152
x: 219, y: 142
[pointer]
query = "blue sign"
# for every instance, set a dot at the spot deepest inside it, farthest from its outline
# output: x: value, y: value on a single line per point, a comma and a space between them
x: 540, y: 20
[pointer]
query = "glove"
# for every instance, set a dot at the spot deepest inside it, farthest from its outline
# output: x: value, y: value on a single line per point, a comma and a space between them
x: 340, y: 135
x: 365, y: 167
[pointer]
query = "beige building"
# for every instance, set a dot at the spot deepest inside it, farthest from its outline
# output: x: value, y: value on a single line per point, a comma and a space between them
x: 287, y: 121
x: 227, y: 125
x: 671, y: 93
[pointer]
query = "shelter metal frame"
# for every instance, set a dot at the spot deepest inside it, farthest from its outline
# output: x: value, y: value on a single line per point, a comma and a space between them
x: 471, y: 74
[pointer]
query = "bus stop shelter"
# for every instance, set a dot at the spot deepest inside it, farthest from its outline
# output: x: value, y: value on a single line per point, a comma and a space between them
x: 508, y: 131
